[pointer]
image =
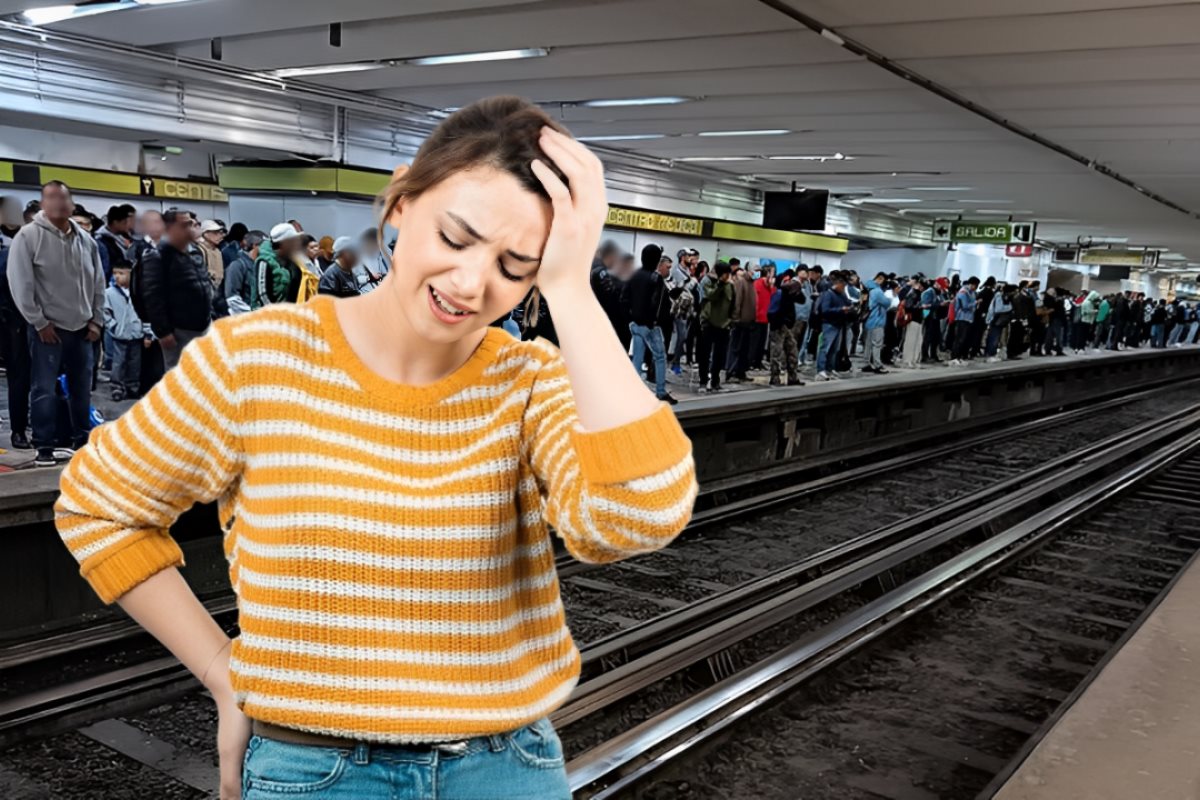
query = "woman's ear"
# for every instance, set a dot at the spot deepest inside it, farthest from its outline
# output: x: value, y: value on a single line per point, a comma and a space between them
x: 394, y: 218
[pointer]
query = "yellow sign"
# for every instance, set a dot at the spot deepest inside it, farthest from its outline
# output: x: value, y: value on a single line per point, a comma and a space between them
x: 6, y: 172
x: 1119, y: 258
x: 805, y: 241
x: 167, y: 189
x: 650, y: 221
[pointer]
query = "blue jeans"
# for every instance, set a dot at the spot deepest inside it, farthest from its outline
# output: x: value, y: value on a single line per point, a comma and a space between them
x: 1158, y: 333
x: 993, y: 339
x: 126, y: 364
x: 830, y: 335
x: 72, y: 355
x: 525, y: 763
x: 644, y: 337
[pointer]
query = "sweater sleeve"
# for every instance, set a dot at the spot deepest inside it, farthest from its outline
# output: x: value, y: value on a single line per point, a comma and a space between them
x: 609, y: 494
x: 177, y: 446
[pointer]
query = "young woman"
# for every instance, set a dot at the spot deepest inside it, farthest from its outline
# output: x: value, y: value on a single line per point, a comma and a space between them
x: 385, y: 468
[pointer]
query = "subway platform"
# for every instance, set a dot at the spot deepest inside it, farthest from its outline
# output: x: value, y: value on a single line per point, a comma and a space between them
x: 1133, y: 731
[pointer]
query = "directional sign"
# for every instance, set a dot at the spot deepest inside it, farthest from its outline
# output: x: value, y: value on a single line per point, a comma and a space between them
x: 965, y: 231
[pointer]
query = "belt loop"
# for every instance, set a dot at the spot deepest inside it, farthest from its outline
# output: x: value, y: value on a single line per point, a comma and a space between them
x: 496, y: 741
x: 362, y: 754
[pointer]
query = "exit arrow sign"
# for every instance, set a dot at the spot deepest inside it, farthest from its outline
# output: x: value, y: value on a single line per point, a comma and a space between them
x: 963, y: 231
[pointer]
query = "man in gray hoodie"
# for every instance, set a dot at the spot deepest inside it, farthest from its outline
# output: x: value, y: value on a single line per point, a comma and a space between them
x: 57, y: 284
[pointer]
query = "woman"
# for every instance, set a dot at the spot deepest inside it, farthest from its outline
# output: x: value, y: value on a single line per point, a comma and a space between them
x: 386, y: 466
x: 309, y: 283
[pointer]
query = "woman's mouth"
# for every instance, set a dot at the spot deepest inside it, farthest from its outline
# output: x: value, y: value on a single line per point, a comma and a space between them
x: 445, y: 310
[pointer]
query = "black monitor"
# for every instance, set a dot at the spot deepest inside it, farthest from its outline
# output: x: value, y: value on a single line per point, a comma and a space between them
x: 796, y: 211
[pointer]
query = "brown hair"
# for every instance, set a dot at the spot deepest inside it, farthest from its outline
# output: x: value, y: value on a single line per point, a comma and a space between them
x: 498, y: 132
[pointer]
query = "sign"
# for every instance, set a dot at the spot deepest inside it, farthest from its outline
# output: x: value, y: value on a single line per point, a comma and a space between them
x: 1018, y: 250
x: 167, y: 189
x: 977, y: 232
x: 802, y: 241
x: 651, y: 221
x: 1119, y: 258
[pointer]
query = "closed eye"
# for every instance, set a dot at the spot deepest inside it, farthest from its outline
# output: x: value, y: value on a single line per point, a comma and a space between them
x: 450, y: 244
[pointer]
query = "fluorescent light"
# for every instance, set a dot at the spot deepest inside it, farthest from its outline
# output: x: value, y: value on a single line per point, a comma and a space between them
x: 636, y: 101
x: 766, y: 132
x: 938, y: 189
x: 892, y: 200
x: 328, y: 69
x: 1005, y: 211
x: 717, y: 158
x: 834, y: 157
x: 52, y: 14
x: 471, y: 58
x: 620, y: 137
x: 986, y: 202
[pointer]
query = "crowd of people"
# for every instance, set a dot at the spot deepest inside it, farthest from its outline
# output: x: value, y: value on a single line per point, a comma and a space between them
x: 732, y: 318
x: 84, y: 299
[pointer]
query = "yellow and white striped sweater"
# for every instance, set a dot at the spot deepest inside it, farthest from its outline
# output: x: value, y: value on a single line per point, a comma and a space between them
x: 387, y: 543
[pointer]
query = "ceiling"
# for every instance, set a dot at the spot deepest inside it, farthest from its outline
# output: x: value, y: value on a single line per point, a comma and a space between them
x: 1115, y: 80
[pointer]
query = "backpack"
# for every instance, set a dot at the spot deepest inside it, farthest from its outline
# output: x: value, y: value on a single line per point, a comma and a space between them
x: 681, y: 306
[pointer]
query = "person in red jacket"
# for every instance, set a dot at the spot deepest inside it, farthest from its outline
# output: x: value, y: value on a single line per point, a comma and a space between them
x: 764, y: 286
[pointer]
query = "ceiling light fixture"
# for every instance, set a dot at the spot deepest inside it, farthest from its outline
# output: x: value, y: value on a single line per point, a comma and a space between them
x: 621, y: 137
x: 1003, y: 211
x: 986, y: 202
x: 636, y: 101
x: 938, y: 189
x: 472, y: 58
x: 717, y: 158
x: 49, y: 15
x: 328, y: 69
x: 765, y: 132
x: 892, y: 200
x: 834, y: 157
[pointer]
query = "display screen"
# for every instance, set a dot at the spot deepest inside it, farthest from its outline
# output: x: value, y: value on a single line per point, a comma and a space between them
x: 796, y: 211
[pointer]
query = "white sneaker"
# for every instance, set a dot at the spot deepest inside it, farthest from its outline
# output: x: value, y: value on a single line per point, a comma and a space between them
x: 822, y: 376
x: 993, y: 359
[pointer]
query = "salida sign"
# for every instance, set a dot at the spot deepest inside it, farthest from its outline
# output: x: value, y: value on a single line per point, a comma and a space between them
x: 964, y: 231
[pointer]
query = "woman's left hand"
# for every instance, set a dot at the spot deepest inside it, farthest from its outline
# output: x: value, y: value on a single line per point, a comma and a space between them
x: 579, y: 212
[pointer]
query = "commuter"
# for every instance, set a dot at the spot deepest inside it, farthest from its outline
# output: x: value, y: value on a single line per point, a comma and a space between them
x: 804, y: 310
x: 10, y: 219
x: 152, y: 229
x: 681, y: 290
x: 608, y: 290
x: 781, y: 318
x: 999, y: 317
x: 835, y: 310
x: 234, y: 243
x: 646, y: 291
x: 1103, y: 323
x: 339, y: 279
x: 88, y: 222
x: 699, y: 272
x: 854, y: 290
x: 915, y: 309
x: 375, y: 263
x: 277, y: 278
x: 1138, y: 308
x: 306, y: 270
x: 935, y: 301
x: 57, y: 284
x: 745, y: 313
x: 31, y: 210
x: 239, y: 275
x: 964, y: 319
x: 1056, y: 321
x: 1158, y: 324
x: 716, y: 317
x: 212, y: 235
x: 877, y: 310
x: 764, y: 286
x: 128, y: 334
x: 296, y: 225
x: 1193, y: 324
x: 115, y: 238
x: 14, y: 347
x: 1181, y: 323
x: 325, y: 254
x: 177, y: 295
x: 1082, y: 331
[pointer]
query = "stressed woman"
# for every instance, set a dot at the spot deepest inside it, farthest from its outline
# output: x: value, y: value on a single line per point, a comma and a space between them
x: 385, y: 469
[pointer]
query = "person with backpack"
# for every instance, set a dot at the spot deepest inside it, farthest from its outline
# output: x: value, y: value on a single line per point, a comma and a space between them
x: 716, y: 316
x: 14, y: 345
x: 913, y: 310
x: 128, y: 334
x: 681, y: 289
x: 877, y: 309
x: 781, y: 317
x: 836, y: 310
x: 276, y: 277
x: 999, y: 317
x: 240, y: 274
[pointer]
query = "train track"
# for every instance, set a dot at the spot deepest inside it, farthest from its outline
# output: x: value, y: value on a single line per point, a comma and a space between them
x: 1098, y: 580
x: 62, y: 705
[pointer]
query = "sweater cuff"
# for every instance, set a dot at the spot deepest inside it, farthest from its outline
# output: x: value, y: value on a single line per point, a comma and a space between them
x: 140, y: 557
x: 638, y: 450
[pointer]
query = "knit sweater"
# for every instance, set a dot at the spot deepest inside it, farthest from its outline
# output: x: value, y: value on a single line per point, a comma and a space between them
x: 388, y: 543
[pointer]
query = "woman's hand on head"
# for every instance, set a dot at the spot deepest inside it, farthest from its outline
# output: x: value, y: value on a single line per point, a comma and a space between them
x: 579, y: 212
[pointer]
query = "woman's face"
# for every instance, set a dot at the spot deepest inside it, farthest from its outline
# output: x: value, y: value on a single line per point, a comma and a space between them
x: 471, y: 243
x: 313, y: 250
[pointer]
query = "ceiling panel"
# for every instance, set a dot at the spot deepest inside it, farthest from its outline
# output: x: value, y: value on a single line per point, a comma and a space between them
x: 841, y: 13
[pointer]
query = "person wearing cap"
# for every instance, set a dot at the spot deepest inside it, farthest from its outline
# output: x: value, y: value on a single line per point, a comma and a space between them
x: 212, y: 235
x: 277, y: 279
x: 177, y: 289
x: 339, y: 279
x: 239, y: 276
